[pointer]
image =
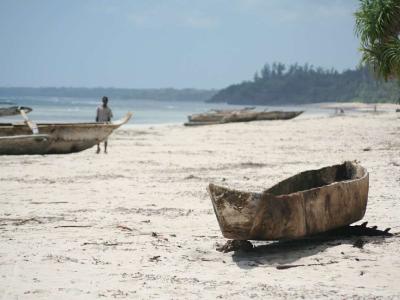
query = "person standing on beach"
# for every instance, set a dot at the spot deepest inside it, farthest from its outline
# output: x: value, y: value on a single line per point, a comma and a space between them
x: 103, y: 115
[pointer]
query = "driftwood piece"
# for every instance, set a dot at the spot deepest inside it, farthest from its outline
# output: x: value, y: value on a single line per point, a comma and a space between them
x: 73, y: 226
x: 103, y: 243
x: 155, y: 258
x: 53, y: 202
x: 24, y: 221
x: 285, y: 267
x: 124, y: 227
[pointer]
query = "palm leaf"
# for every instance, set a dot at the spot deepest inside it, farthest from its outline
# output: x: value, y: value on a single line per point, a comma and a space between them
x: 378, y: 27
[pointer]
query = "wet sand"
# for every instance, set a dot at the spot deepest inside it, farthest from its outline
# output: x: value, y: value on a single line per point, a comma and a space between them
x: 137, y: 223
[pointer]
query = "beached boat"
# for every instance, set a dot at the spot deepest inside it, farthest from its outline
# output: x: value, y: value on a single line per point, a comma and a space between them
x: 308, y: 203
x: 54, y: 138
x: 216, y: 115
x: 240, y: 116
x: 13, y: 110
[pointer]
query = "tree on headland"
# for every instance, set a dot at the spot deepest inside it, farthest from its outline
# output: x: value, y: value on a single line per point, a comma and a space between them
x: 278, y: 84
x: 378, y: 27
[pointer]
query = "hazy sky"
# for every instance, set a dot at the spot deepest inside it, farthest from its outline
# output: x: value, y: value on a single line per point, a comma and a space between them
x: 168, y: 43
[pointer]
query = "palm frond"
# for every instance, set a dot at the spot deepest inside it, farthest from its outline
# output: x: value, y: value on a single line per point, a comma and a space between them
x: 378, y: 27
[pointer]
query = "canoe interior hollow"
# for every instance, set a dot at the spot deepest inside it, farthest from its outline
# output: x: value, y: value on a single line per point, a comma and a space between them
x: 317, y: 178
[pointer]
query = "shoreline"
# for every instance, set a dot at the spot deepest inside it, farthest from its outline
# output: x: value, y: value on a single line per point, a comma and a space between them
x: 179, y: 117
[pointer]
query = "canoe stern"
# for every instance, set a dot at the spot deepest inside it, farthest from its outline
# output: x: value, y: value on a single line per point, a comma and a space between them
x: 235, y: 210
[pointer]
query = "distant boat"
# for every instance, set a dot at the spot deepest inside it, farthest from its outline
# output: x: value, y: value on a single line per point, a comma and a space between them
x: 54, y: 138
x: 308, y: 203
x: 246, y: 115
x: 216, y: 115
x: 13, y: 110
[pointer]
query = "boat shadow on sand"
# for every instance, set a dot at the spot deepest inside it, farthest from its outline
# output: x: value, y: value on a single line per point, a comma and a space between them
x: 282, y: 254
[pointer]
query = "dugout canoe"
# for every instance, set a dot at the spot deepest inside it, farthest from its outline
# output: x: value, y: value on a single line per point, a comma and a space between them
x: 241, y: 116
x: 54, y: 138
x: 216, y: 115
x: 308, y: 203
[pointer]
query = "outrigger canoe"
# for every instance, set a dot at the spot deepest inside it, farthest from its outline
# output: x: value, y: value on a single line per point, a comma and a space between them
x: 213, y: 118
x: 53, y: 138
x: 308, y: 203
x: 13, y: 110
x: 217, y: 115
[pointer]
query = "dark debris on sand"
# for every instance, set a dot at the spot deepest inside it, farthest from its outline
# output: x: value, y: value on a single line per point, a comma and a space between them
x: 346, y: 232
x: 235, y: 245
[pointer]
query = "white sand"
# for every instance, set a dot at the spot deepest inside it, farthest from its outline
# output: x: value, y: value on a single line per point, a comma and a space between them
x: 154, y: 180
x: 359, y: 106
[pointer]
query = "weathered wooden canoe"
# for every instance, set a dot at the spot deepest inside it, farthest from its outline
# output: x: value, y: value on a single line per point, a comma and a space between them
x: 13, y: 110
x: 241, y: 116
x: 216, y: 115
x: 54, y: 138
x: 262, y: 116
x: 307, y: 203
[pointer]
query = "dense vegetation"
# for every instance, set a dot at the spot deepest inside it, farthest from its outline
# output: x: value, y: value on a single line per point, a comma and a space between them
x: 278, y: 84
x: 167, y: 94
x: 378, y: 26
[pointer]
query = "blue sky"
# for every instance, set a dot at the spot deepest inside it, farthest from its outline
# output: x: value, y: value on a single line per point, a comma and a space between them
x: 168, y: 43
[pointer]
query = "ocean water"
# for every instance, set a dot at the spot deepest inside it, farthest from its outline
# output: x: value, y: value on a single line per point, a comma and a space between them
x: 63, y: 109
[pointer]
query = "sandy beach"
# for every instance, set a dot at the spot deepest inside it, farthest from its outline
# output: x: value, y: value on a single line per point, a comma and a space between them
x: 137, y: 223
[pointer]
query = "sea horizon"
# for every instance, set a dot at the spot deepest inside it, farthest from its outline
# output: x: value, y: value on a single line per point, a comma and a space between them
x: 146, y: 112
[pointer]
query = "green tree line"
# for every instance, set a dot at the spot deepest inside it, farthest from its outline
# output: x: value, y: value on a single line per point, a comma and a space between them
x: 300, y: 84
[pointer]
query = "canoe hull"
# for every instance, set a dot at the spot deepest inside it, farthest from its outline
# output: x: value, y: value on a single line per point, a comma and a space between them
x: 61, y: 138
x: 272, y: 215
x: 17, y: 144
x: 241, y: 116
x: 217, y: 115
x: 262, y: 116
